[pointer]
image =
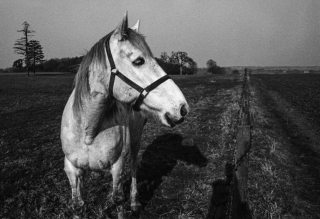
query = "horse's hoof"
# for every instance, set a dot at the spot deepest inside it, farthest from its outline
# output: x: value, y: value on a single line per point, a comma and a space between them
x: 135, y: 215
x: 109, y: 209
x: 76, y: 217
x: 136, y: 209
x: 77, y: 209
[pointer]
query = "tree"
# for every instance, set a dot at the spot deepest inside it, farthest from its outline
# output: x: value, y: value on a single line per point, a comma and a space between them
x: 211, y: 65
x: 18, y: 63
x: 51, y: 64
x: 21, y: 46
x: 165, y: 58
x: 213, y: 68
x: 166, y: 62
x: 236, y: 72
x: 178, y: 63
x: 64, y: 64
x: 35, y: 53
x: 193, y: 66
x: 169, y: 68
x: 180, y: 58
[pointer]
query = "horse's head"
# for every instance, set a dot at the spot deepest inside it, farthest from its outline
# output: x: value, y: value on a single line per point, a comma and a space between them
x: 134, y: 60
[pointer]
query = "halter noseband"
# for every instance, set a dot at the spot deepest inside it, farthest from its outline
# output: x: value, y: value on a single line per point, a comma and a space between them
x: 114, y: 72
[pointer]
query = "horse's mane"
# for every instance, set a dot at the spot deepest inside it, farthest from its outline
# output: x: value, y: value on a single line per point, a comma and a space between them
x: 97, y: 55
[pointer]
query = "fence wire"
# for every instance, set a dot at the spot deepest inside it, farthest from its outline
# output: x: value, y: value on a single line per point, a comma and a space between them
x: 244, y: 121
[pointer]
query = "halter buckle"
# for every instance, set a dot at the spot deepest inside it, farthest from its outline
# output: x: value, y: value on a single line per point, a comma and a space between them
x: 114, y: 71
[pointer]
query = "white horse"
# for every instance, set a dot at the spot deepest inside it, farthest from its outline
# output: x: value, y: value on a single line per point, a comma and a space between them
x: 117, y: 85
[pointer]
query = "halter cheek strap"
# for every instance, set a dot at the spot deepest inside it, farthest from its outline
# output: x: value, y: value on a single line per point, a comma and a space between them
x: 114, y: 72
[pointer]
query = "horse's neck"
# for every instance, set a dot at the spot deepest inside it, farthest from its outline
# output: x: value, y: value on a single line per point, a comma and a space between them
x: 120, y: 113
x: 99, y: 101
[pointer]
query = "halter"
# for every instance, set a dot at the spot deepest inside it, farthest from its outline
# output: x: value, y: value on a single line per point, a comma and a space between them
x: 143, y: 91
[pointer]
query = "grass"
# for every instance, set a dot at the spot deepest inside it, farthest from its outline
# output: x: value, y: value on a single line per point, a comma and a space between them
x: 182, y: 171
x: 177, y: 166
x: 281, y: 183
x: 277, y: 183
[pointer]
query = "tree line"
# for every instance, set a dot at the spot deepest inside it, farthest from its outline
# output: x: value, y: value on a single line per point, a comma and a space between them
x: 32, y: 58
x: 179, y: 63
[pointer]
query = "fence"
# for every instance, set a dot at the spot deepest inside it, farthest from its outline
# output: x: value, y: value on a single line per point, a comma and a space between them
x: 237, y: 204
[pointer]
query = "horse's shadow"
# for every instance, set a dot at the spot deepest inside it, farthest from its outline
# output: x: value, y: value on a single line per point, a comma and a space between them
x: 159, y: 159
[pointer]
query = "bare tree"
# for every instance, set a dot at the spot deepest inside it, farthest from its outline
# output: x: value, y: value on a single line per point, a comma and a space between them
x: 21, y: 45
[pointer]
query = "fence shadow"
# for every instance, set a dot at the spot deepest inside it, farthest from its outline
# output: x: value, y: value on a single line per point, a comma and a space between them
x: 220, y: 195
x: 159, y: 159
x: 219, y: 208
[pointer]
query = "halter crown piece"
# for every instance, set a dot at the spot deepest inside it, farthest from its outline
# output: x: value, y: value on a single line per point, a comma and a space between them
x: 114, y: 72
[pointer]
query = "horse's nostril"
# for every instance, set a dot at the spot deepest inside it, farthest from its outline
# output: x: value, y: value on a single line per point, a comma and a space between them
x: 183, y: 110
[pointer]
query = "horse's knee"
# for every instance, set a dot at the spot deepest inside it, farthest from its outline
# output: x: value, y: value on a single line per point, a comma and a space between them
x: 117, y: 203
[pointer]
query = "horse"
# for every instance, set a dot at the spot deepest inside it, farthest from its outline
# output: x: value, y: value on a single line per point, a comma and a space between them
x: 118, y: 87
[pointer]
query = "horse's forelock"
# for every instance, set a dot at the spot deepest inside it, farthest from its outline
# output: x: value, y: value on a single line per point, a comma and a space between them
x: 138, y: 41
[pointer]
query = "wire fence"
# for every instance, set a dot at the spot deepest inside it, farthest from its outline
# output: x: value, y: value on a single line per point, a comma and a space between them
x: 238, y: 207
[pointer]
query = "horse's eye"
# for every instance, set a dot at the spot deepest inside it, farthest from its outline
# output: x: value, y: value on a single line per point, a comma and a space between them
x: 139, y: 61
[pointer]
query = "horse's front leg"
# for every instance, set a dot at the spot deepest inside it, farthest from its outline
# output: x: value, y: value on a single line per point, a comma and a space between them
x: 74, y: 175
x: 135, y: 204
x: 118, y: 197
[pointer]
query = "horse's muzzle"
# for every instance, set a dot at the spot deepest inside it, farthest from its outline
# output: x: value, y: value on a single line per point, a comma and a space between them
x: 173, y: 122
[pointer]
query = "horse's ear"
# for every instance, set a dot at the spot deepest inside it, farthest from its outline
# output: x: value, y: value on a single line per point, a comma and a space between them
x: 136, y: 26
x: 121, y: 32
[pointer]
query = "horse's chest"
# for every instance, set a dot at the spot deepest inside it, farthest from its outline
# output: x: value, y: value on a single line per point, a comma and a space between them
x: 107, y: 149
x: 104, y: 156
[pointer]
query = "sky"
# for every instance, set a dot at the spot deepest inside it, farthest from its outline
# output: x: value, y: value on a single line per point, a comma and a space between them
x: 231, y: 32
